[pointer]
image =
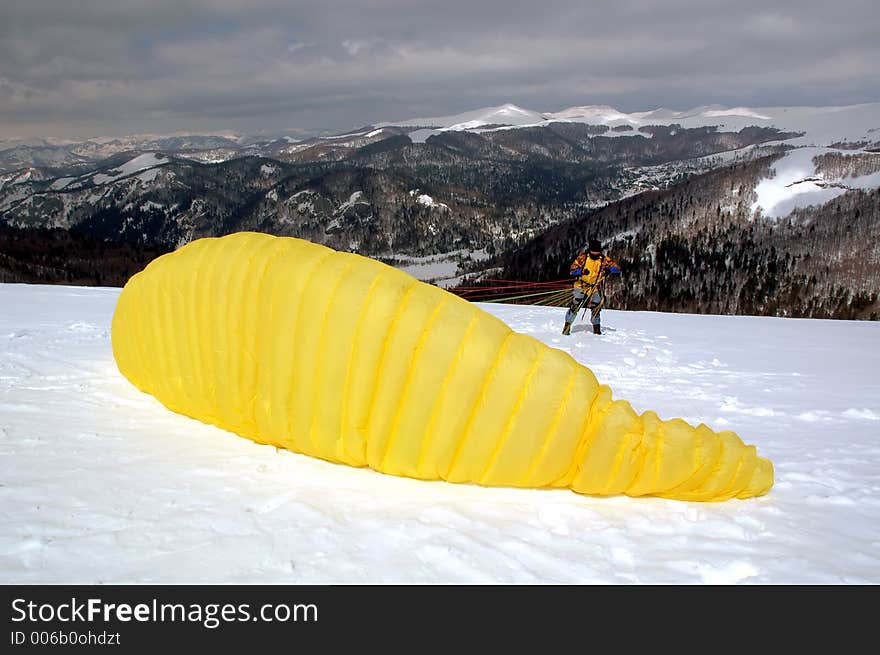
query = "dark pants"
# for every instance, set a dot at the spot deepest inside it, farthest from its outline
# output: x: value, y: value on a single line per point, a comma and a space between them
x: 577, y: 298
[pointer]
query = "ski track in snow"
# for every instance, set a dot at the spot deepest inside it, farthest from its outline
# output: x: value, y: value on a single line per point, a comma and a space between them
x: 99, y: 483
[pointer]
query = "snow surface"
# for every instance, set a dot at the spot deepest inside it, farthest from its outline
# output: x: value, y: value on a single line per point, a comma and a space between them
x: 871, y: 181
x: 13, y: 197
x: 343, y: 136
x: 139, y: 163
x: 597, y: 114
x: 796, y: 183
x: 149, y: 175
x: 356, y: 198
x: 421, y: 136
x: 101, y: 483
x: 426, y: 200
x: 26, y: 176
x: 507, y: 114
x: 60, y: 183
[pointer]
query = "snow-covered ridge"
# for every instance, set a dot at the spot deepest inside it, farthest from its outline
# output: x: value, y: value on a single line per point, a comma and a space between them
x: 600, y: 114
x: 343, y: 136
x: 139, y: 163
x: 507, y: 114
x: 710, y: 111
x: 821, y: 126
x: 736, y: 111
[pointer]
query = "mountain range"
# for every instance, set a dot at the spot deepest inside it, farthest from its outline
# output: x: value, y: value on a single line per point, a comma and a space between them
x: 768, y: 210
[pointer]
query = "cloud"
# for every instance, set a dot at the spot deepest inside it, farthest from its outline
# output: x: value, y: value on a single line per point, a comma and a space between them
x: 114, y: 66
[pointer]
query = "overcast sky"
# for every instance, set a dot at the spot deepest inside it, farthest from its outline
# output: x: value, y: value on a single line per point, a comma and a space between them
x: 82, y: 68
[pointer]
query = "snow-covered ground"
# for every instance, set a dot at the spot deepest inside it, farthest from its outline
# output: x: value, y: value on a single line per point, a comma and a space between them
x: 426, y: 200
x: 139, y: 163
x: 100, y: 483
x: 796, y: 182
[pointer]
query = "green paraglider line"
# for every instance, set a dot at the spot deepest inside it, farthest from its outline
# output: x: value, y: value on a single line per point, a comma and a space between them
x: 527, y: 295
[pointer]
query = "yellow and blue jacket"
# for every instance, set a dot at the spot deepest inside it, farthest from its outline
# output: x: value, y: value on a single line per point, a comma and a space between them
x: 590, y: 273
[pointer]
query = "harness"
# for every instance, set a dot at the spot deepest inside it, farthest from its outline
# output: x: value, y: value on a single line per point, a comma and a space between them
x: 590, y: 289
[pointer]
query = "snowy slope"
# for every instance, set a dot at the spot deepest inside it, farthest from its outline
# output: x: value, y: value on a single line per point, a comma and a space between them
x: 100, y: 483
x: 507, y: 114
x: 795, y: 182
x: 137, y: 164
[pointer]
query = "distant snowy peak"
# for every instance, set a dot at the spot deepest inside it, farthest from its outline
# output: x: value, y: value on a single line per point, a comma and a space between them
x: 507, y: 114
x: 600, y: 114
x: 504, y: 115
x: 736, y: 111
x: 705, y: 111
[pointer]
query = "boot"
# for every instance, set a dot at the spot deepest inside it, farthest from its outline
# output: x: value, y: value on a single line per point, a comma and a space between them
x: 597, y: 329
x: 566, y: 329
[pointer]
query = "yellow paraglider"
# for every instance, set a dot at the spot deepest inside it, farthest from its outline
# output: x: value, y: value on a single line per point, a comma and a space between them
x: 341, y: 357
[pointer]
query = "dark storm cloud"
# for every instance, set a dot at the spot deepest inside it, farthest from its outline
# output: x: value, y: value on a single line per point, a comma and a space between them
x: 109, y: 66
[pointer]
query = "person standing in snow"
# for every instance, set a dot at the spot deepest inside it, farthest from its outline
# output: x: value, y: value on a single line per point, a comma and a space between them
x: 590, y: 268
